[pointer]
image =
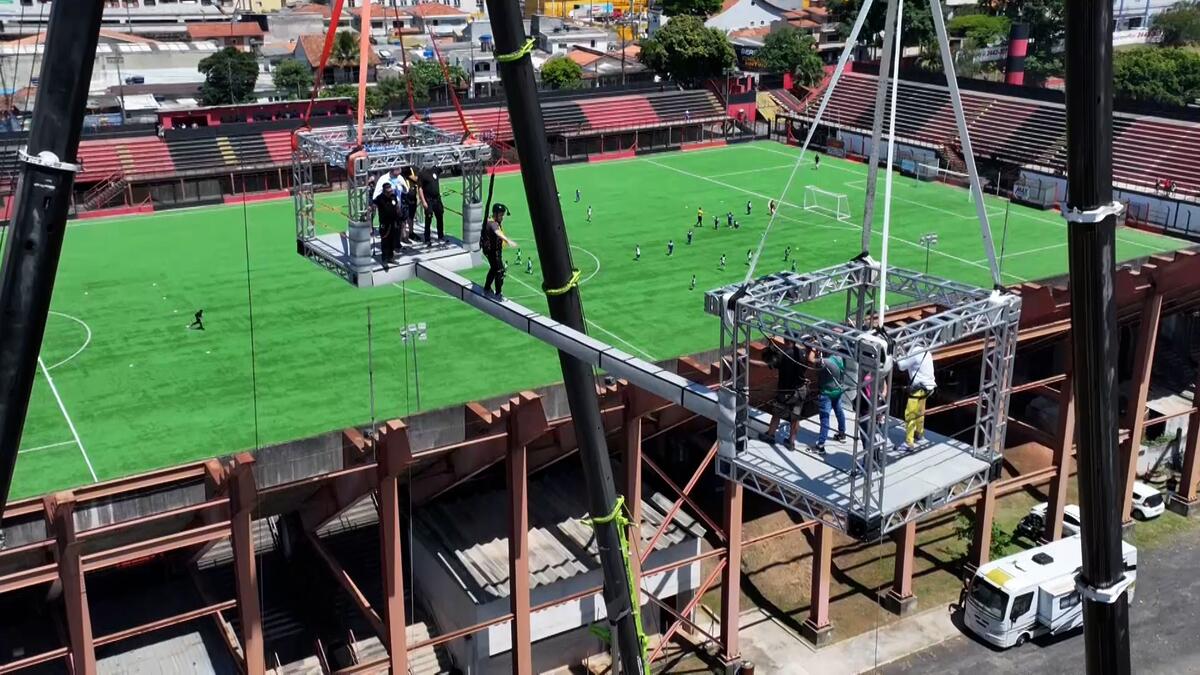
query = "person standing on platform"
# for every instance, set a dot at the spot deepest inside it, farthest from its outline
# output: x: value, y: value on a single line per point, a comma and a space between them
x: 921, y: 385
x: 387, y: 207
x: 391, y: 177
x: 791, y: 389
x: 492, y: 242
x: 431, y: 199
x: 830, y: 374
x: 408, y: 204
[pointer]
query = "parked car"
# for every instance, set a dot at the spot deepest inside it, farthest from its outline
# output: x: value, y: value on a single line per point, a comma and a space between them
x: 1148, y: 502
x: 1033, y: 524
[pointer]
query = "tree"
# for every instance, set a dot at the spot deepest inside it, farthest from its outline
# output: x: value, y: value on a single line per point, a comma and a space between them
x: 561, y: 73
x: 790, y: 51
x: 1179, y: 25
x: 292, y: 78
x: 376, y: 101
x: 917, y: 21
x: 1166, y: 75
x: 229, y: 77
x: 345, y: 51
x: 982, y: 29
x: 393, y: 89
x: 1045, y: 19
x: 427, y: 77
x: 964, y: 530
x: 691, y: 7
x: 686, y: 50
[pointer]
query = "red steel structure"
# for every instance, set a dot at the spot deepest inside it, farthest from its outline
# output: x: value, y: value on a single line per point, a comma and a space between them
x: 520, y: 437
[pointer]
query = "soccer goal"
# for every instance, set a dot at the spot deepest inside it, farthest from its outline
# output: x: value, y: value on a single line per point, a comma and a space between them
x: 829, y: 203
x: 928, y: 172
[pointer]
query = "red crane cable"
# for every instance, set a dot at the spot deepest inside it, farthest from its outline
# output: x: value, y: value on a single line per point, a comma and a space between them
x: 334, y: 16
x: 462, y: 118
x: 412, y: 104
x: 364, y: 60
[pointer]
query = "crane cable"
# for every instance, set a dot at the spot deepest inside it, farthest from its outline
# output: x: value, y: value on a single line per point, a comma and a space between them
x: 412, y: 105
x: 437, y: 53
x: 887, y: 176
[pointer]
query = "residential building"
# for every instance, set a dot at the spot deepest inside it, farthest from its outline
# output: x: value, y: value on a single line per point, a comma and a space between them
x: 308, y: 51
x: 555, y: 36
x: 306, y: 19
x: 163, y: 19
x: 241, y: 35
x: 121, y: 59
x: 437, y: 19
x: 609, y: 67
x: 739, y: 14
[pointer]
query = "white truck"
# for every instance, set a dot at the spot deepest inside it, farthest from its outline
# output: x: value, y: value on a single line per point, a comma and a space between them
x: 1031, y: 593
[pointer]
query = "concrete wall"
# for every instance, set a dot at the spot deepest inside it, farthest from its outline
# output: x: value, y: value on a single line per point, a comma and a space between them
x: 1175, y: 217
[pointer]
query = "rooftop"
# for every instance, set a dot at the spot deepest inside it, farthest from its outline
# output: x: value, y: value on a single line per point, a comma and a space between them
x: 105, y: 35
x: 433, y: 9
x: 208, y: 31
x: 311, y: 45
x: 471, y: 533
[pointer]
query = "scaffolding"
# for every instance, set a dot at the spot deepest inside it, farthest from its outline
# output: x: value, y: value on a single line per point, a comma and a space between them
x: 354, y: 254
x: 868, y: 490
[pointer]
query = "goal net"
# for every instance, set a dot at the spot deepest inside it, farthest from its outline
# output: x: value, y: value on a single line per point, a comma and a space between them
x: 928, y: 172
x: 829, y: 203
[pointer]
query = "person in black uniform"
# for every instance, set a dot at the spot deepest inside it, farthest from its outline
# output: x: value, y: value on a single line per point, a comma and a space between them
x: 491, y: 242
x: 408, y: 204
x: 387, y: 207
x: 431, y: 199
x: 792, y: 390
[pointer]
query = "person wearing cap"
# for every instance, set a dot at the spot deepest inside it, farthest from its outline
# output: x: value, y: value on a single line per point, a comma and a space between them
x: 492, y: 241
x: 791, y: 389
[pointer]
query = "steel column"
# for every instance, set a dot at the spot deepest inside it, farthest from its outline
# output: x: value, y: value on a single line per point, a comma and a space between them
x: 900, y: 598
x: 985, y: 514
x: 633, y: 483
x: 243, y: 498
x: 731, y: 584
x: 393, y: 455
x: 61, y: 508
x: 518, y: 559
x: 1135, y: 414
x: 1187, y: 495
x: 1062, y: 459
x: 816, y: 628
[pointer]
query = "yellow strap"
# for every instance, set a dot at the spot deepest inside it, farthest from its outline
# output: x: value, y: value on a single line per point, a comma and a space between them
x: 618, y: 518
x: 572, y: 283
x: 525, y: 50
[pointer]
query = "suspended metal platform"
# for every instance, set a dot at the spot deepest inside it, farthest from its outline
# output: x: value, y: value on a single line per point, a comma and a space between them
x: 888, y: 489
x: 354, y: 253
x: 884, y: 493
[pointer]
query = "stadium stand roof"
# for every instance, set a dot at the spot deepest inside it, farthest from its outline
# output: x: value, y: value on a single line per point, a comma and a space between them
x: 1022, y: 131
x: 470, y: 533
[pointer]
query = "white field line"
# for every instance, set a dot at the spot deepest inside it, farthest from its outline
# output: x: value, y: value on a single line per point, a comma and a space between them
x: 61, y: 406
x: 597, y: 326
x: 45, y: 447
x: 873, y: 232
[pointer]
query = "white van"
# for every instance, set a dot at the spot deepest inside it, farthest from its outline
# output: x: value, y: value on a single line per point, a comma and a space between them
x: 1031, y: 593
x: 1147, y: 501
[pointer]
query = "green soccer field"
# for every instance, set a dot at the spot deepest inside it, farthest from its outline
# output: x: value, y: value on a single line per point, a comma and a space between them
x: 126, y: 387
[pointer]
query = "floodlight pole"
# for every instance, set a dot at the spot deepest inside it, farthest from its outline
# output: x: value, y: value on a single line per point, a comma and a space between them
x: 566, y: 307
x: 38, y: 226
x: 1091, y: 239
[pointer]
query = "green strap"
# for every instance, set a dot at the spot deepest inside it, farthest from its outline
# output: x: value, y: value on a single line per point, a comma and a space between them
x: 617, y: 517
x: 572, y: 283
x: 525, y: 50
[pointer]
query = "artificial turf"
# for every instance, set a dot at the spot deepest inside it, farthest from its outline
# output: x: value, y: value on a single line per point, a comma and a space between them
x: 147, y: 392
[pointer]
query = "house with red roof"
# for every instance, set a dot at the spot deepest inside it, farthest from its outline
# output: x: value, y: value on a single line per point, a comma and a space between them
x: 241, y: 35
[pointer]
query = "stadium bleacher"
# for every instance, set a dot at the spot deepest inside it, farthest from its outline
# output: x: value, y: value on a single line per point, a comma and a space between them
x: 595, y: 115
x: 1023, y: 131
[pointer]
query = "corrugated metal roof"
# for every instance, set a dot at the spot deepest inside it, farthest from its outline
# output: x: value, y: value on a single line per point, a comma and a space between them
x: 191, y: 652
x: 470, y: 533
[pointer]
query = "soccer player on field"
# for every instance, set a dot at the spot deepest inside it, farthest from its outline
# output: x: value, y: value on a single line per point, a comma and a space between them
x: 749, y: 206
x: 816, y: 162
x: 771, y: 207
x: 637, y: 252
x: 700, y: 216
x: 689, y: 240
x: 589, y: 217
x: 670, y: 247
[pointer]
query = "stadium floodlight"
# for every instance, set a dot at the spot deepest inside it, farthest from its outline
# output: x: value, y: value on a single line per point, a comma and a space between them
x: 409, y: 336
x: 928, y: 240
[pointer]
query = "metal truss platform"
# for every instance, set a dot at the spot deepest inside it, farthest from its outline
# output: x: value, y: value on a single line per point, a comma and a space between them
x: 332, y: 251
x: 937, y: 472
x: 405, y: 145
